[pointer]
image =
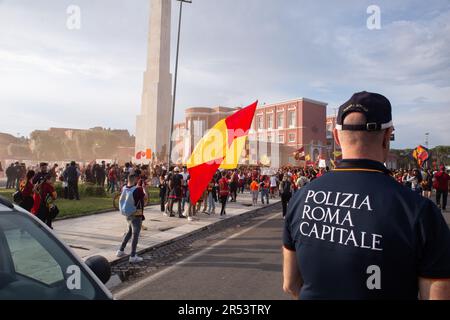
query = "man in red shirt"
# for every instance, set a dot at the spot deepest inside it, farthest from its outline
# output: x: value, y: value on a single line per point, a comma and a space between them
x: 441, y: 183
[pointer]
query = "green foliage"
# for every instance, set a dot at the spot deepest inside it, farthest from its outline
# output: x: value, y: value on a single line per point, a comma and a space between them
x: 84, y: 189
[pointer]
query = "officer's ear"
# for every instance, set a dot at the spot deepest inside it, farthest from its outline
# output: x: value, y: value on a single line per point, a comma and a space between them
x: 387, y: 138
x: 336, y: 137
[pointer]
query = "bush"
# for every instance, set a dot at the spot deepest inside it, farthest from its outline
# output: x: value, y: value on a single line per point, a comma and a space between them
x: 91, y: 190
x: 84, y: 189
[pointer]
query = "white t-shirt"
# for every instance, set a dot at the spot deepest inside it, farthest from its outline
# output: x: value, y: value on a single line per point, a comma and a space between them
x: 273, y: 181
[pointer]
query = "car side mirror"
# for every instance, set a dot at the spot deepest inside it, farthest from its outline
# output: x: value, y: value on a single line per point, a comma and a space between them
x: 100, y: 266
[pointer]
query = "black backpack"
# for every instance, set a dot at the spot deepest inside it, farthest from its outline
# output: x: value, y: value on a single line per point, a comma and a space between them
x: 18, y: 197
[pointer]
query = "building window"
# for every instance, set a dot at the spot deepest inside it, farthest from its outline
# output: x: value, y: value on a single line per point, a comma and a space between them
x: 281, y: 138
x: 292, y: 121
x: 259, y: 122
x: 280, y: 120
x: 270, y: 121
x: 291, y: 137
x: 329, y: 130
x: 199, y: 128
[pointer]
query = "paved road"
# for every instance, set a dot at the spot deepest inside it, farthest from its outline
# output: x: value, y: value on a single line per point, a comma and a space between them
x: 243, y: 265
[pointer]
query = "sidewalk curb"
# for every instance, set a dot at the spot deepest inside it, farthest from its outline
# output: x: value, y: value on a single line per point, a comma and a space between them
x: 184, y: 236
x: 98, y: 212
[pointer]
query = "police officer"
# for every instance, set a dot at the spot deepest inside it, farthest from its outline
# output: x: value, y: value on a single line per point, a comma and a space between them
x: 355, y: 233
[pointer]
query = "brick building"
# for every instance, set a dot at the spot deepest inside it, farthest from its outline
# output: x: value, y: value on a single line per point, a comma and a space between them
x: 277, y: 131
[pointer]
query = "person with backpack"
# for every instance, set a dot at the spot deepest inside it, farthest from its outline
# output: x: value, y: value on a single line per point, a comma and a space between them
x: 286, y: 193
x: 224, y: 192
x: 131, y: 204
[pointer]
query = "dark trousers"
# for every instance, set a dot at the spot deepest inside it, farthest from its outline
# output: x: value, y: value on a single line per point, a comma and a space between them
x: 223, y: 200
x: 444, y: 198
x: 163, y: 204
x: 44, y: 215
x: 284, y: 202
x: 171, y: 203
x: 134, y: 229
x: 73, y: 190
x: 10, y: 182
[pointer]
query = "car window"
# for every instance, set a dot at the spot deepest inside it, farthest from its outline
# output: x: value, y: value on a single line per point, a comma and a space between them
x: 34, y: 265
x: 31, y: 258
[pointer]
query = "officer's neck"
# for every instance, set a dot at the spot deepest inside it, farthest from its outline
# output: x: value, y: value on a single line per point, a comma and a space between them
x: 369, y: 155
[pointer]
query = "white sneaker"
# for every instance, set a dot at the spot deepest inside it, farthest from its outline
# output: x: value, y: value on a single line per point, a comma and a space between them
x: 190, y: 219
x: 136, y: 259
x: 120, y: 254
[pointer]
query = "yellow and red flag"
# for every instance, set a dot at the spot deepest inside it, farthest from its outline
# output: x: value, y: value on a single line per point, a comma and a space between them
x: 221, y: 148
x: 421, y: 155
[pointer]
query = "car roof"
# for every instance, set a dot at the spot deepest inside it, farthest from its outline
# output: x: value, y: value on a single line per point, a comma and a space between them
x: 5, y: 205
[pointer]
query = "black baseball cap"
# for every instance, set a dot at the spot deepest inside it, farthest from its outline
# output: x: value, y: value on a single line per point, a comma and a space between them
x: 374, y: 106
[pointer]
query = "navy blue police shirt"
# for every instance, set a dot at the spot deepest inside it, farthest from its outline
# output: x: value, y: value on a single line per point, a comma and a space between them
x: 359, y: 234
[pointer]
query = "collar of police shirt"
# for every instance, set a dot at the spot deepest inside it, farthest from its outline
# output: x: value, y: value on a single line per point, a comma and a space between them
x: 361, y: 165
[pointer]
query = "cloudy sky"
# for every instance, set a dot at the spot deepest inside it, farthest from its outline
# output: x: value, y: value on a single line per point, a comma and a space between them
x: 232, y: 52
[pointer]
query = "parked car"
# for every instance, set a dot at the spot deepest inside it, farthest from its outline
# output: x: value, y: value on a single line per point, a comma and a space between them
x: 35, y: 264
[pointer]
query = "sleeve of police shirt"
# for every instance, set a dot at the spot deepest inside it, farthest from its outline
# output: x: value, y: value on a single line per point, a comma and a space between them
x: 288, y: 241
x: 433, y: 243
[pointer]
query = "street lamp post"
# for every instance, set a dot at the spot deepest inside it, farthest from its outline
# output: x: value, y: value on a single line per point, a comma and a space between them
x: 427, y: 136
x: 175, y: 80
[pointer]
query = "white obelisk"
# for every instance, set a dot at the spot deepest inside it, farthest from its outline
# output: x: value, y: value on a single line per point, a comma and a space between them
x: 153, y: 124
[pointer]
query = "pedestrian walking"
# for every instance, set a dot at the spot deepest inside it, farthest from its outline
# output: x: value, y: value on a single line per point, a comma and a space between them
x: 254, y: 189
x: 162, y: 186
x: 131, y: 203
x: 264, y: 187
x: 175, y: 192
x: 212, y: 194
x: 224, y: 192
x: 442, y: 180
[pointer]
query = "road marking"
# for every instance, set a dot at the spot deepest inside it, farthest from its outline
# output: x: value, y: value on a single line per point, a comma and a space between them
x: 142, y: 283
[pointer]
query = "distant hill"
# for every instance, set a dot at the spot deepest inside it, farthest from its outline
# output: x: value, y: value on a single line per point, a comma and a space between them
x: 11, y: 146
